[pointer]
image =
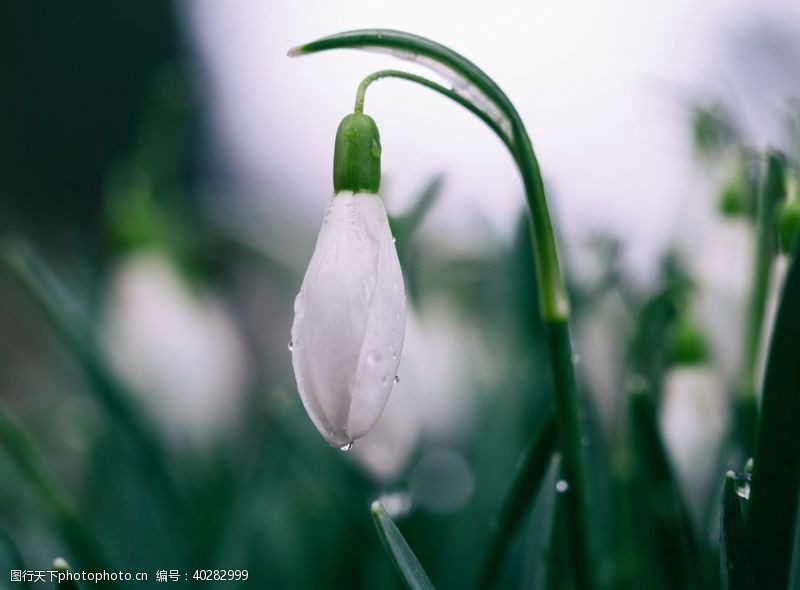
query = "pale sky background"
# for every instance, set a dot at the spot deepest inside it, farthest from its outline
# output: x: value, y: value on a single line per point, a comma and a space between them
x: 601, y: 86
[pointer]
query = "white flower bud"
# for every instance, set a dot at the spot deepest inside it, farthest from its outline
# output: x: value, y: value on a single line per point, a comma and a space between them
x: 350, y: 318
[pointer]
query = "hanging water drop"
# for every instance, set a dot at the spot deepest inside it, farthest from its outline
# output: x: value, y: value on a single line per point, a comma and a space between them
x: 742, y: 486
x: 562, y: 486
x: 346, y: 447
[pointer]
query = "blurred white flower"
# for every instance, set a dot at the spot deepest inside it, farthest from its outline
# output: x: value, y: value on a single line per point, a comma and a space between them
x: 724, y: 269
x: 349, y: 322
x: 693, y: 419
x: 178, y: 350
x: 435, y: 395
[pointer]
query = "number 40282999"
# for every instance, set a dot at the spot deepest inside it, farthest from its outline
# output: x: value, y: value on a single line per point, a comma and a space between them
x: 233, y: 575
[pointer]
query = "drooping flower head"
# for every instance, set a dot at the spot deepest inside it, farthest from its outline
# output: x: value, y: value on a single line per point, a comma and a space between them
x: 350, y: 314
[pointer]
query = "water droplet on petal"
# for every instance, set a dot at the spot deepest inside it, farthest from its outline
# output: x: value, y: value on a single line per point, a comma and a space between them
x: 394, y: 240
x: 290, y: 346
x: 373, y: 358
x: 742, y: 486
x: 396, y: 379
x: 562, y: 486
x: 346, y: 447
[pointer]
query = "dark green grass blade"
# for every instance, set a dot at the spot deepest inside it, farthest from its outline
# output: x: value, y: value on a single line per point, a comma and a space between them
x: 776, y: 468
x: 523, y: 491
x: 732, y: 541
x: 554, y: 553
x: 19, y: 445
x: 671, y: 526
x: 14, y: 556
x: 403, y: 558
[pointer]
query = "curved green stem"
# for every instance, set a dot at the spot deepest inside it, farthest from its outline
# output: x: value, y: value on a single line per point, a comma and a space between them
x: 553, y: 298
x: 483, y: 97
x: 362, y: 89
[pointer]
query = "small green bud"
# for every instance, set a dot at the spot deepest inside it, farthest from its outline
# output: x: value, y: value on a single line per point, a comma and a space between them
x: 731, y: 200
x: 789, y: 214
x: 357, y: 155
x: 688, y: 344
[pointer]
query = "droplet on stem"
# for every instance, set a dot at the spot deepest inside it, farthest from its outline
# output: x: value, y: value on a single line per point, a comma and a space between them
x: 562, y: 486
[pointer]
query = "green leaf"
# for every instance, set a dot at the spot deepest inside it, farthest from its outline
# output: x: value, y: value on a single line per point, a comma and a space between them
x: 776, y: 468
x: 466, y: 78
x: 669, y: 526
x: 770, y: 196
x: 732, y: 541
x: 555, y: 558
x: 523, y: 491
x: 403, y: 558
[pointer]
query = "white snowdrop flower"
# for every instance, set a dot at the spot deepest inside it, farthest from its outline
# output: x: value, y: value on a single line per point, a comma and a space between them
x: 350, y: 314
x: 724, y: 289
x: 693, y: 420
x: 177, y: 349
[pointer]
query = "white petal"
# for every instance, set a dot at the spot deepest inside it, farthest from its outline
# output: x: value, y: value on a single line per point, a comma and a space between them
x: 349, y: 320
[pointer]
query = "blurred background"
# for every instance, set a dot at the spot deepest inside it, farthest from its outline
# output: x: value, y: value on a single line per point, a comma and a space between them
x: 164, y: 169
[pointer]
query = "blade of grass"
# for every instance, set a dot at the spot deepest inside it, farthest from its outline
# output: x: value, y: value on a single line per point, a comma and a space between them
x: 552, y: 497
x: 769, y: 196
x: 776, y: 467
x: 15, y: 558
x: 72, y: 326
x: 732, y: 541
x: 403, y: 558
x: 673, y: 529
x: 54, y: 501
x: 523, y: 491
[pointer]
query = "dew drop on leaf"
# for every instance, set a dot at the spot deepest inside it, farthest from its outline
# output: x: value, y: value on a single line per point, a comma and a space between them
x: 562, y: 486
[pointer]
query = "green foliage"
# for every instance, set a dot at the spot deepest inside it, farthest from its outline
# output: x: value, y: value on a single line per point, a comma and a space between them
x: 403, y: 558
x: 776, y: 466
